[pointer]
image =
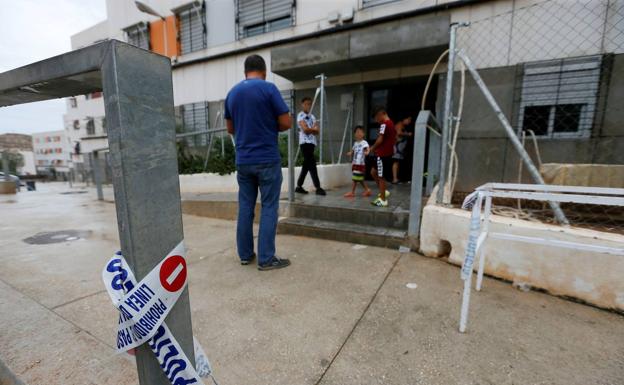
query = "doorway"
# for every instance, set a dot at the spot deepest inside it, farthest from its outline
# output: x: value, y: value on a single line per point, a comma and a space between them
x: 402, y: 98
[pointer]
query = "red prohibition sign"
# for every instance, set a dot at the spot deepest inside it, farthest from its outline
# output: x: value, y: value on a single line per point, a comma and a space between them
x: 173, y: 273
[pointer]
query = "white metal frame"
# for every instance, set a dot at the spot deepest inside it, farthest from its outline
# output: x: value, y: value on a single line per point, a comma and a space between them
x: 480, y: 233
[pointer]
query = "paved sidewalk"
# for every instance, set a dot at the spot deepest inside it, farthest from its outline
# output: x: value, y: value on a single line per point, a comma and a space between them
x: 341, y: 314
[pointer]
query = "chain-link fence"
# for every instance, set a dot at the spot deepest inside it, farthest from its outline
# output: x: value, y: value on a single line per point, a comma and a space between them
x: 555, y: 69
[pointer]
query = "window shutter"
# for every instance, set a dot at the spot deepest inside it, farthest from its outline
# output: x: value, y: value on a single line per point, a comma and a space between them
x: 192, y: 36
x: 372, y: 3
x: 259, y: 16
x: 568, y: 86
x: 138, y: 35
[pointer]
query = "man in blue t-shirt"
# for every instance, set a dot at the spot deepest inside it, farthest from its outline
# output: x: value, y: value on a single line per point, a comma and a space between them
x: 255, y: 113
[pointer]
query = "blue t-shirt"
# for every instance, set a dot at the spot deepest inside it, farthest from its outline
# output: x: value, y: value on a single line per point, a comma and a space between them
x: 253, y: 105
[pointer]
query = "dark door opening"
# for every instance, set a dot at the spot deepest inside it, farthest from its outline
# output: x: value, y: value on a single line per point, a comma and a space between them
x: 402, y: 98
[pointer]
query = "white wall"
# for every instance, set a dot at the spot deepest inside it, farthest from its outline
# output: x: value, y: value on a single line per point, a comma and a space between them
x: 331, y: 176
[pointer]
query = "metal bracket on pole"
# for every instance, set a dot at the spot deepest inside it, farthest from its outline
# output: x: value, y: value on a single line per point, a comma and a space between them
x: 559, y: 215
x: 97, y: 175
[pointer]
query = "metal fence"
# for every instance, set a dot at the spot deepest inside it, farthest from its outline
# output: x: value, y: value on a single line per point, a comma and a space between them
x: 554, y: 68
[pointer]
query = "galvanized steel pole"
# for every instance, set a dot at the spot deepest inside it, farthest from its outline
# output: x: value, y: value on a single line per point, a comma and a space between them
x: 322, y: 117
x: 141, y: 138
x: 448, y: 112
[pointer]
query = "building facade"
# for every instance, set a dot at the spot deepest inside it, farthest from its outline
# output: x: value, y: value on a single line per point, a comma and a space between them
x: 21, y: 144
x: 52, y: 152
x: 381, y: 52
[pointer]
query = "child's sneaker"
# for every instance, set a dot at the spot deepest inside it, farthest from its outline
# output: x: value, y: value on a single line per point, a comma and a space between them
x: 349, y: 195
x: 367, y: 193
x: 380, y: 203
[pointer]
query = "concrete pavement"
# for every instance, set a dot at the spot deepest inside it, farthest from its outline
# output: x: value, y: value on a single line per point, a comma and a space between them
x: 341, y: 314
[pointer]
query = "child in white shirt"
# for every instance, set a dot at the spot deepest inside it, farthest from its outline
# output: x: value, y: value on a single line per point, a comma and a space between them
x: 358, y: 162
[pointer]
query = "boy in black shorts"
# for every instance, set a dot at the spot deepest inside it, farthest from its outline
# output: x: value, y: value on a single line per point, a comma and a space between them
x: 383, y: 148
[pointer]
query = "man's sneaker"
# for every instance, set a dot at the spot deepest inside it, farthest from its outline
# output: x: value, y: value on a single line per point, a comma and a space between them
x: 274, y: 263
x: 380, y: 203
x: 300, y: 190
x: 320, y: 191
x: 387, y: 194
x: 245, y: 262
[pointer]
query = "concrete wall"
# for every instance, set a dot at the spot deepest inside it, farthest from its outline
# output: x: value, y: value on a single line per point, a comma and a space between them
x: 588, y: 276
x: 331, y: 176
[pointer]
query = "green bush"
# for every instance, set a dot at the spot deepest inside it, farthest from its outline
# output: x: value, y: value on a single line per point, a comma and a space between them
x: 191, y: 160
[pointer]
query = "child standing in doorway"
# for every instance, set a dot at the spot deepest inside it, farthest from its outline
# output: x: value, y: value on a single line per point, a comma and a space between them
x: 358, y: 166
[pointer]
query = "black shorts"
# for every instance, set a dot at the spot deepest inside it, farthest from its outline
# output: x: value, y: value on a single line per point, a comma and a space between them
x: 384, y: 163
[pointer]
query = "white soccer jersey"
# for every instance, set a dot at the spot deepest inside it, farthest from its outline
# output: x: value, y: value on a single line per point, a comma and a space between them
x: 358, y: 152
x: 310, y: 121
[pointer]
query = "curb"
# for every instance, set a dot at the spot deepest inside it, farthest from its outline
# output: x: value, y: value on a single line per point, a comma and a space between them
x: 7, y: 377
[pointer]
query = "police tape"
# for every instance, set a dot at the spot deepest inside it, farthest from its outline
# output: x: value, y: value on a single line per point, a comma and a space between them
x: 142, y: 309
x: 474, y: 201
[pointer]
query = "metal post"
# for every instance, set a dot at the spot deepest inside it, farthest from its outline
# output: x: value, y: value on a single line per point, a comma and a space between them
x: 291, y: 163
x: 486, y: 229
x: 475, y: 228
x: 344, y: 133
x: 559, y: 215
x: 97, y: 175
x: 418, y: 168
x: 141, y: 139
x: 447, y: 119
x: 322, y: 115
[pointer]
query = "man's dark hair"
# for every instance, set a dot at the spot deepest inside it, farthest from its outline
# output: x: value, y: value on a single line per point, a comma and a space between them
x: 378, y: 109
x: 254, y: 63
x: 358, y: 127
x: 305, y: 99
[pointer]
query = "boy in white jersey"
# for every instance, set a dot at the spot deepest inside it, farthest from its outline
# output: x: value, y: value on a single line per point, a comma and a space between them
x: 358, y: 165
x: 308, y: 129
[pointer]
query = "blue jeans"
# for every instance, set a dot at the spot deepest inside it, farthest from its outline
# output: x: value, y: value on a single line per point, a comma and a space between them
x: 268, y: 179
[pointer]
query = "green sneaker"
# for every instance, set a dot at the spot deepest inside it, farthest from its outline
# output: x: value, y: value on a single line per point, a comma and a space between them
x: 387, y: 194
x: 380, y: 203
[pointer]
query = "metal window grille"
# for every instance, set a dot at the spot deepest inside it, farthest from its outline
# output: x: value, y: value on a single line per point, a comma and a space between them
x: 138, y: 35
x: 288, y: 97
x: 90, y: 126
x: 372, y: 3
x: 558, y: 97
x: 255, y: 17
x: 192, y: 32
x: 195, y: 118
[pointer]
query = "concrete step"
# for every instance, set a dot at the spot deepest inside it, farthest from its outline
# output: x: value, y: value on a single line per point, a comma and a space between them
x: 396, y: 219
x: 344, y: 232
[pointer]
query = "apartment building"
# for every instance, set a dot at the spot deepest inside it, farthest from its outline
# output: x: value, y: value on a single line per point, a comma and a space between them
x: 381, y: 52
x: 52, y: 151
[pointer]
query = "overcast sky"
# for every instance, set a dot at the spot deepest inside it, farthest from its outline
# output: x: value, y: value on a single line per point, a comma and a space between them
x: 33, y: 30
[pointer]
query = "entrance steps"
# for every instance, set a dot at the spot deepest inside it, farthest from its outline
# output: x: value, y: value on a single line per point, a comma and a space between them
x: 350, y: 220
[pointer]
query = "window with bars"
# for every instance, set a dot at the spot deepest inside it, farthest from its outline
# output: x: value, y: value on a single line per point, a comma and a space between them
x: 559, y: 97
x: 372, y: 3
x: 255, y: 17
x: 192, y: 27
x: 138, y: 35
x: 288, y: 97
x: 90, y: 126
x: 195, y: 118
